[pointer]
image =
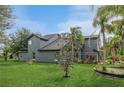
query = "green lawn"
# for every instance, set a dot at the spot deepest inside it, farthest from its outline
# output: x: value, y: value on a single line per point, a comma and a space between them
x: 14, y: 73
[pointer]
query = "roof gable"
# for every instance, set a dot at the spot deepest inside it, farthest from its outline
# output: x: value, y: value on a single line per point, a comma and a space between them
x: 41, y: 38
x: 55, y: 45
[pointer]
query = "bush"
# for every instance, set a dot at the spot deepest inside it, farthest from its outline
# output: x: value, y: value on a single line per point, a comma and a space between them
x: 122, y: 52
x: 29, y: 62
x: 90, y: 59
x: 104, y: 68
x: 108, y: 61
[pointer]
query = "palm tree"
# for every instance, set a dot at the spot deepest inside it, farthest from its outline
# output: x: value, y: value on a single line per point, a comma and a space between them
x: 113, y: 45
x: 117, y: 24
x: 77, y: 41
x: 101, y: 20
x: 105, y: 19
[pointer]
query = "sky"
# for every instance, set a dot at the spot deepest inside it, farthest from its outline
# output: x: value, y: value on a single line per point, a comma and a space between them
x: 49, y: 19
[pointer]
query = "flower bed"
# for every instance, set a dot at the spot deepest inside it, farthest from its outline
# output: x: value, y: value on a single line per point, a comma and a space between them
x: 111, y: 71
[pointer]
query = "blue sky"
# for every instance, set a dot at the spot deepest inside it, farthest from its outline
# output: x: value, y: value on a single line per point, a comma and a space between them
x: 53, y: 18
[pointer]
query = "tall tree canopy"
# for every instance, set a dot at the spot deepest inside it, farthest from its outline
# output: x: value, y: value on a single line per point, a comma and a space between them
x: 6, y: 18
x: 19, y: 40
x: 107, y: 19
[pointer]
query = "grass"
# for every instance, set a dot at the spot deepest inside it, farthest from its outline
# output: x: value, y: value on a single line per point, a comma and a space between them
x: 17, y: 74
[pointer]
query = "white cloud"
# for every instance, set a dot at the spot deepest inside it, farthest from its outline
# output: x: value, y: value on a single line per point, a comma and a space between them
x: 77, y: 18
x: 34, y: 26
x: 86, y: 26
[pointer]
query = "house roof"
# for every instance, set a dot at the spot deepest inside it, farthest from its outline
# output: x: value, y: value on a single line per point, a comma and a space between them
x: 55, y: 45
x: 49, y: 36
x: 41, y: 38
x: 92, y: 36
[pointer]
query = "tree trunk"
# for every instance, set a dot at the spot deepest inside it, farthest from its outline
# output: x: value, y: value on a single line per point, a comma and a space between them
x: 66, y: 72
x: 18, y: 56
x: 122, y: 43
x: 104, y: 44
x: 5, y: 55
x: 72, y: 52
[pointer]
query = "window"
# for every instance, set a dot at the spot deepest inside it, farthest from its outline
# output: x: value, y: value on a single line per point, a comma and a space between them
x: 33, y: 55
x: 29, y: 42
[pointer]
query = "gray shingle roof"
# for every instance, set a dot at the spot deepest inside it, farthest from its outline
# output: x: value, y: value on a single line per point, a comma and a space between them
x: 49, y: 36
x: 42, y: 38
x: 56, y: 45
x: 54, y: 42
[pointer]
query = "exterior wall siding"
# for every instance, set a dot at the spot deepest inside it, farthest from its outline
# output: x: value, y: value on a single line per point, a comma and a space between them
x: 88, y: 47
x: 49, y: 56
x: 24, y: 56
x: 46, y: 56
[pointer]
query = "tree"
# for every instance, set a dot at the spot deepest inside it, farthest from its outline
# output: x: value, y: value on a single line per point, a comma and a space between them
x: 114, y: 45
x: 6, y: 18
x: 116, y: 11
x: 101, y: 20
x: 114, y: 24
x: 118, y: 24
x: 64, y: 56
x: 19, y: 41
x: 72, y: 42
x: 6, y: 48
x: 119, y: 29
x: 77, y: 41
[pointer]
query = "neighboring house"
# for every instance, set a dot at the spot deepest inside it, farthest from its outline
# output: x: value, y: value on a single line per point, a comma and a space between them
x: 44, y: 48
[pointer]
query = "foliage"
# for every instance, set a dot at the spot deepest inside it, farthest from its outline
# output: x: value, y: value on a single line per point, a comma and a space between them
x: 114, y: 45
x: 108, y: 61
x: 6, y: 49
x: 90, y: 59
x: 70, y: 49
x: 19, y: 40
x: 100, y: 20
x: 6, y: 18
x: 29, y: 62
x: 104, y: 68
x: 105, y: 19
x: 64, y: 57
x: 77, y: 39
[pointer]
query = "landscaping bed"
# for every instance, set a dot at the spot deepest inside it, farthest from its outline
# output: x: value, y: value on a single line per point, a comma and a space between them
x: 111, y: 71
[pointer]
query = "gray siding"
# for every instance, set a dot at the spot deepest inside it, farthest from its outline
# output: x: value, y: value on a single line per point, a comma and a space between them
x: 88, y: 47
x: 35, y: 45
x: 49, y: 56
x: 24, y: 56
x: 46, y: 56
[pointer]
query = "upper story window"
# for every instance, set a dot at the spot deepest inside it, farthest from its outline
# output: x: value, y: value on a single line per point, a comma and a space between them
x: 29, y: 42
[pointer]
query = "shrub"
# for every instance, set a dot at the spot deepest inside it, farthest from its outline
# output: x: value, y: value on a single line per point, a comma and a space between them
x: 115, y: 59
x: 104, y: 68
x: 122, y: 52
x: 108, y: 61
x: 29, y: 62
x: 90, y: 58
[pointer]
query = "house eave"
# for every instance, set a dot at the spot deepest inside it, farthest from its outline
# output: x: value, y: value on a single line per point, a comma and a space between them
x: 49, y: 50
x: 41, y: 38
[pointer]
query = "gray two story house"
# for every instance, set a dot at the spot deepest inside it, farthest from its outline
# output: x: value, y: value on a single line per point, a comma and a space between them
x: 44, y: 48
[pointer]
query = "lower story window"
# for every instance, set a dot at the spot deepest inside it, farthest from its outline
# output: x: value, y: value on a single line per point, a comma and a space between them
x: 33, y: 55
